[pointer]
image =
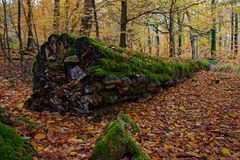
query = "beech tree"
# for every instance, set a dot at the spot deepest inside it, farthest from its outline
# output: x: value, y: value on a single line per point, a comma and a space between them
x: 29, y: 24
x: 56, y: 16
x: 86, y: 21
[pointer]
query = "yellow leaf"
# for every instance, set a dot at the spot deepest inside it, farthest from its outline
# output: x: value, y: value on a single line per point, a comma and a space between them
x: 20, y: 105
x: 72, y: 153
x: 40, y: 149
x: 70, y: 149
x: 194, y: 154
x: 90, y: 128
x: 182, y: 108
x: 191, y: 136
x: 40, y: 136
x: 168, y: 146
x: 225, y: 151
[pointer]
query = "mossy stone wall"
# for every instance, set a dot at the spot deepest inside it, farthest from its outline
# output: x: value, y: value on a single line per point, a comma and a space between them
x: 78, y: 74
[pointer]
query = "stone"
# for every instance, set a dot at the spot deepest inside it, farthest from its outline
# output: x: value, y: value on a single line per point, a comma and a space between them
x: 111, y: 80
x: 72, y: 59
x: 145, y: 97
x: 77, y: 73
x: 110, y: 86
x: 152, y: 86
x: 168, y: 83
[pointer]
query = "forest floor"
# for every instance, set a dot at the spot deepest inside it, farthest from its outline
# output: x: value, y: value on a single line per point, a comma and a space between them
x: 197, y: 119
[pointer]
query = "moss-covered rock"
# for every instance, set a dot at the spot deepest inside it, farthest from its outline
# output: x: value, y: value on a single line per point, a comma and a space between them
x: 12, y: 145
x: 116, y: 143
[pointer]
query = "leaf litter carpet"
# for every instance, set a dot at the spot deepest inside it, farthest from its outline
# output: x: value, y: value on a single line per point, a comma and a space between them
x: 197, y: 119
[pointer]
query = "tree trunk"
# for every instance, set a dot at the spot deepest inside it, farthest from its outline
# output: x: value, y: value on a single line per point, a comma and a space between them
x: 236, y: 34
x: 180, y: 32
x: 171, y: 35
x: 158, y: 41
x: 124, y: 21
x: 56, y: 16
x: 232, y: 29
x: 214, y: 29
x: 20, y: 32
x: 29, y: 23
x: 192, y: 37
x: 66, y: 16
x: 69, y: 16
x: 86, y: 21
x: 6, y: 36
x: 95, y: 18
x: 220, y: 37
x: 149, y: 41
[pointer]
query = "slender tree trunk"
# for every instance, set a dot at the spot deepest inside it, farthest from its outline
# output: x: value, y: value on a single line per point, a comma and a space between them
x: 6, y: 36
x: 66, y: 16
x: 192, y: 37
x: 149, y: 41
x: 95, y: 18
x: 140, y: 45
x: 180, y: 32
x: 20, y: 32
x: 69, y: 15
x: 171, y: 35
x: 56, y: 16
x: 124, y: 21
x: 232, y: 29
x: 29, y: 23
x: 158, y: 42
x: 236, y: 34
x: 214, y: 30
x: 86, y: 21
x: 36, y: 35
x: 220, y: 37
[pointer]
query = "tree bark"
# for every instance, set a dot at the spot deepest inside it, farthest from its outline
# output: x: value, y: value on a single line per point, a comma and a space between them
x: 56, y: 16
x: 95, y: 18
x: 86, y: 21
x: 6, y: 36
x: 214, y: 29
x: 171, y: 35
x: 149, y: 41
x: 192, y: 37
x: 66, y: 16
x: 236, y: 34
x: 29, y: 23
x: 20, y: 32
x: 124, y: 21
x: 180, y: 32
x: 69, y: 16
x: 158, y: 41
x: 232, y: 28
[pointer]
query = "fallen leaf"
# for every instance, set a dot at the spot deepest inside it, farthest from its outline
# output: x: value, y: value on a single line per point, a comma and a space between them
x: 72, y: 153
x: 225, y: 151
x: 90, y: 128
x: 40, y: 136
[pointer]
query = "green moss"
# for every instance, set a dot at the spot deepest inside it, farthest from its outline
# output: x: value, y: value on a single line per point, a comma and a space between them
x: 204, y: 62
x: 128, y: 121
x: 116, y: 144
x: 12, y: 146
x: 116, y: 61
x: 69, y: 37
